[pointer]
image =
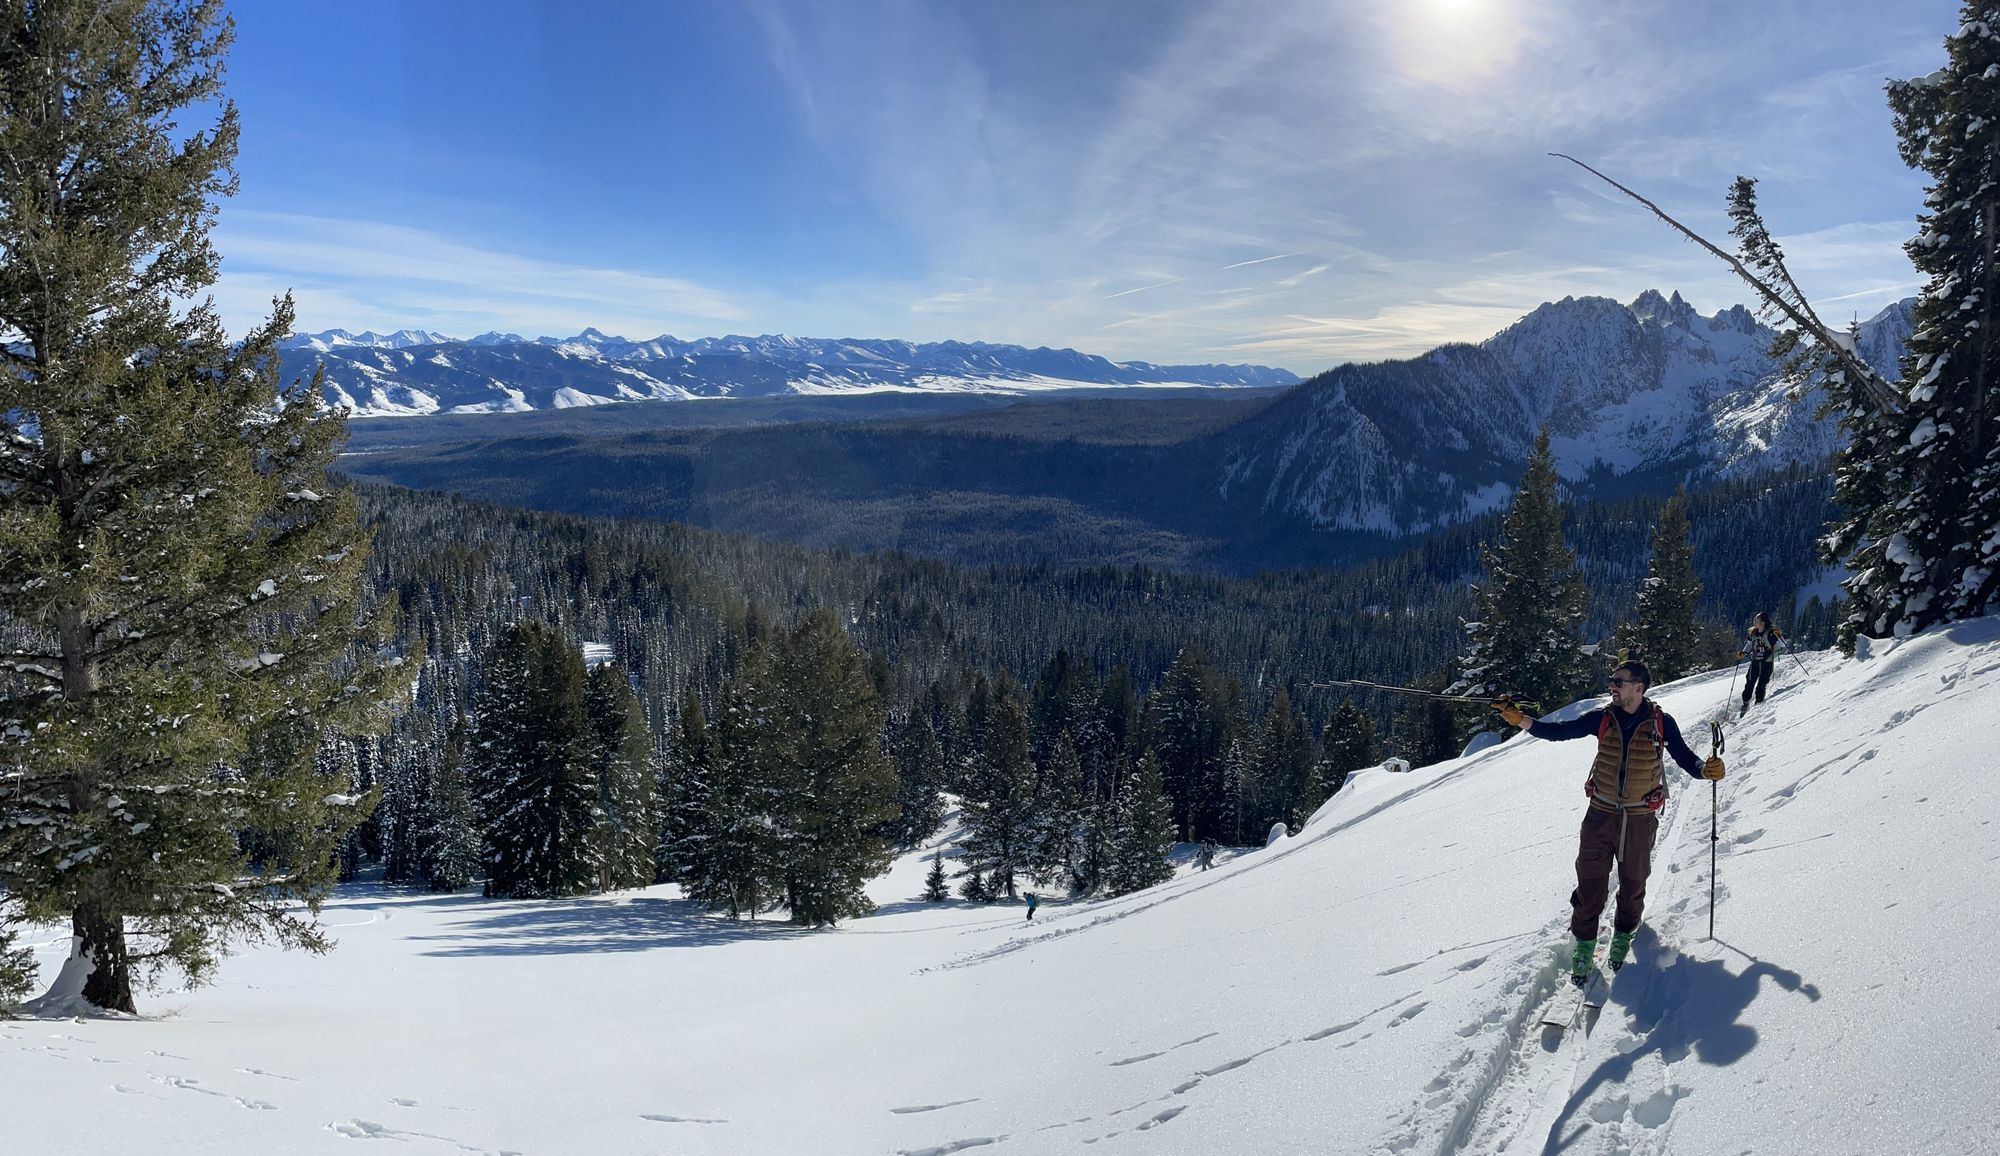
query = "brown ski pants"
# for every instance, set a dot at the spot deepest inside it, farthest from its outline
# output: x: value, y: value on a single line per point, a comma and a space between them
x: 1597, y: 849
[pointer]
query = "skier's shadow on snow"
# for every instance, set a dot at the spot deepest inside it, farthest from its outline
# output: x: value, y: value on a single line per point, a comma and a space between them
x: 1688, y: 1007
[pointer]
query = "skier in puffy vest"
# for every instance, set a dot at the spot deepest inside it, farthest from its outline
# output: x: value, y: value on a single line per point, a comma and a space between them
x: 1627, y: 787
x: 1761, y: 648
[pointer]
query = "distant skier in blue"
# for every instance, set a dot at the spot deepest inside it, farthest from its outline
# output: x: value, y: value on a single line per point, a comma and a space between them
x: 1627, y: 787
x: 1032, y: 904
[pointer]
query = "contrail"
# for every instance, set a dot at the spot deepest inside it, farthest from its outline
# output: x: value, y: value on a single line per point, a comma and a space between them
x: 1143, y: 288
x: 1259, y: 261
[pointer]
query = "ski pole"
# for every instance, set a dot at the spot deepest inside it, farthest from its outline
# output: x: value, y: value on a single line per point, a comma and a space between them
x: 1715, y: 744
x: 1731, y: 696
x: 1802, y: 662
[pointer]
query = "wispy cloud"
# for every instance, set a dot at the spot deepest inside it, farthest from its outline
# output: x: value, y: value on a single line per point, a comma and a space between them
x: 1083, y: 175
x: 363, y: 273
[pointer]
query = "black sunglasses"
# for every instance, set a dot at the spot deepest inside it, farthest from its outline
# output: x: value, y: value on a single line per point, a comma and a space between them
x: 1624, y: 682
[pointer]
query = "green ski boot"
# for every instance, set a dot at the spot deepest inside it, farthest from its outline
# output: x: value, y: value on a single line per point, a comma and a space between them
x: 1621, y: 946
x: 1579, y: 961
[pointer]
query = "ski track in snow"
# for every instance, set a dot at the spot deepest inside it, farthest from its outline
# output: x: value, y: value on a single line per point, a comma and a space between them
x: 1611, y: 1087
x: 1514, y: 1090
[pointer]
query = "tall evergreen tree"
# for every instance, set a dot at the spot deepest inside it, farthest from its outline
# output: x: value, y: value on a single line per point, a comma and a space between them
x: 1666, y: 632
x: 1525, y: 641
x: 1000, y: 798
x: 1189, y: 743
x: 920, y: 776
x: 450, y: 834
x: 1058, y: 815
x: 1919, y: 481
x: 532, y: 769
x: 1347, y: 746
x: 734, y: 866
x: 834, y: 788
x: 621, y: 760
x: 1279, y: 765
x: 1426, y: 730
x: 684, y: 810
x: 183, y: 579
x: 1142, y: 833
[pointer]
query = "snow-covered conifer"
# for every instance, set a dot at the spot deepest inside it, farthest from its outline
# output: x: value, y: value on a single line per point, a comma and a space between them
x: 936, y: 890
x: 920, y: 775
x: 531, y: 765
x: 833, y: 789
x: 180, y: 581
x: 1532, y: 600
x: 1665, y: 631
x: 1919, y: 481
x: 999, y: 803
x: 621, y: 761
x: 1143, y: 832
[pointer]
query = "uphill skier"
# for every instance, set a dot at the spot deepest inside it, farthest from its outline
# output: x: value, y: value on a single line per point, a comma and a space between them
x: 1627, y: 787
x: 1761, y: 648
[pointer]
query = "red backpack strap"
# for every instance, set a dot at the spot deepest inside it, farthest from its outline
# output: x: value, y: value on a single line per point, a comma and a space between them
x: 1605, y: 724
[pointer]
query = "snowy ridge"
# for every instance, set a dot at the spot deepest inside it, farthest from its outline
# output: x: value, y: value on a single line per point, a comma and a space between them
x: 1368, y: 986
x: 410, y: 373
x: 1409, y: 446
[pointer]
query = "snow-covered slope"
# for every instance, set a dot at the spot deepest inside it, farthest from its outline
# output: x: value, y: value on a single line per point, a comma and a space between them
x: 1405, y: 446
x: 411, y: 372
x: 1369, y: 986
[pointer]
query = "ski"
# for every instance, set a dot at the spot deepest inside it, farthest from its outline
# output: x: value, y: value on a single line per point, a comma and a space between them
x: 1567, y: 1009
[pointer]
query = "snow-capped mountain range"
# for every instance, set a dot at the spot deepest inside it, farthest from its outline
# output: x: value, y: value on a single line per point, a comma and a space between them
x: 1648, y: 388
x: 413, y: 372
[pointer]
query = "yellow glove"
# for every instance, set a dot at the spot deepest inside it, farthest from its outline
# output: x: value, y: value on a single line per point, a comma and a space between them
x: 1712, y: 769
x: 1511, y: 716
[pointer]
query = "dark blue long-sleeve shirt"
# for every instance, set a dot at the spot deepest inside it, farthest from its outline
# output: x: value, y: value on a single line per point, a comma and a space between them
x: 1585, y: 726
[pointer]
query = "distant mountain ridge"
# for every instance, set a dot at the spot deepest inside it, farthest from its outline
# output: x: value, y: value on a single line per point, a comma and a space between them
x: 412, y: 371
x: 1647, y: 390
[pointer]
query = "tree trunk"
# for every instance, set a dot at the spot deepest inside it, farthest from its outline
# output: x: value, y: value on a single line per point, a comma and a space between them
x: 103, y: 937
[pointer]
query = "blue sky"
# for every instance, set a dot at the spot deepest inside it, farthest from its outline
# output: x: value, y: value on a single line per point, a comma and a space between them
x: 1285, y: 182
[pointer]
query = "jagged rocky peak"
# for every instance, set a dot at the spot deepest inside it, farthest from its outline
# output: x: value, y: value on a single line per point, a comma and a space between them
x: 1667, y: 310
x: 1735, y: 319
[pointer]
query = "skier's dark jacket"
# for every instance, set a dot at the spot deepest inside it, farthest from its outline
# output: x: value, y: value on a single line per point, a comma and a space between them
x: 1626, y: 771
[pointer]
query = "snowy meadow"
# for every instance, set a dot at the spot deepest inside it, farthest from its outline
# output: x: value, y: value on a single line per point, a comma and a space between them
x: 1371, y: 985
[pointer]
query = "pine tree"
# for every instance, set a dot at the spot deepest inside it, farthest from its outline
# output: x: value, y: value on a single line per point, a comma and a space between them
x: 450, y: 833
x: 182, y: 581
x: 736, y: 864
x: 1347, y: 746
x: 1143, y: 832
x: 1190, y: 744
x: 1919, y: 481
x: 1533, y: 599
x: 1666, y: 633
x: 834, y: 789
x: 999, y: 804
x: 920, y: 775
x: 1425, y: 730
x: 935, y: 888
x: 1279, y: 765
x: 1058, y: 815
x: 684, y: 810
x: 17, y: 963
x: 621, y: 760
x: 531, y: 766
x: 975, y: 889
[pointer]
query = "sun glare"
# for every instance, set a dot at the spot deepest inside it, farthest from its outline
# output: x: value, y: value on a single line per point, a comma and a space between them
x: 1457, y: 43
